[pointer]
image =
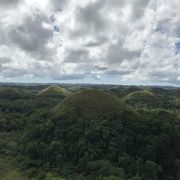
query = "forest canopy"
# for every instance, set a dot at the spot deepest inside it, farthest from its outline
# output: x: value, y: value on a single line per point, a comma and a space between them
x: 94, y: 132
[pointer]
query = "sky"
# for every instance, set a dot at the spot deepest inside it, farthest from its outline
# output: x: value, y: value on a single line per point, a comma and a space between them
x: 90, y: 41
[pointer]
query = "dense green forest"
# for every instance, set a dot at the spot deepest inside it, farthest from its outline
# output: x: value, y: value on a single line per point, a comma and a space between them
x: 79, y: 132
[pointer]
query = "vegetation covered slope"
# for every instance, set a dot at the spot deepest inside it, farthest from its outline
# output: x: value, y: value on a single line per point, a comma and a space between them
x: 95, y: 136
x: 54, y: 91
x: 90, y: 135
x: 9, y: 171
x: 131, y: 89
x: 8, y: 93
x: 123, y: 91
x: 146, y: 100
x: 91, y: 104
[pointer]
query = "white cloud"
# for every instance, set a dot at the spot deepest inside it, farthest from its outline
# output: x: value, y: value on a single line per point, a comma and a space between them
x: 129, y: 39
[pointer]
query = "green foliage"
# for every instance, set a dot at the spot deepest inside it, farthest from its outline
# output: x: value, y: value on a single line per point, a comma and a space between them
x: 90, y: 135
x: 146, y: 100
x: 9, y: 93
x: 10, y: 172
x: 103, y: 169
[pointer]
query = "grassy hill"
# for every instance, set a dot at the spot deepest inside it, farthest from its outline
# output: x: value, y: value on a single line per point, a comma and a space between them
x: 8, y: 93
x: 159, y: 91
x: 123, y: 91
x: 142, y: 99
x: 147, y: 100
x: 54, y: 91
x: 91, y: 104
x: 82, y: 130
x: 131, y: 89
x: 142, y: 94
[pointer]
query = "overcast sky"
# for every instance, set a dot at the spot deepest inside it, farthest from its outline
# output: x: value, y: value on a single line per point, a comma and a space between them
x: 90, y: 41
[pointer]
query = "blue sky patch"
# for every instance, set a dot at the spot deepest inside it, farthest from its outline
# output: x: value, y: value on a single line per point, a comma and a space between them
x: 56, y: 29
x: 177, y: 47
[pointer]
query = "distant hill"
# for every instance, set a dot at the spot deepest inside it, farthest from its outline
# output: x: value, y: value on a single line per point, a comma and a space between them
x: 145, y: 99
x: 123, y: 91
x: 91, y: 104
x: 9, y: 93
x: 142, y: 94
x: 160, y: 91
x: 54, y: 91
x: 131, y: 89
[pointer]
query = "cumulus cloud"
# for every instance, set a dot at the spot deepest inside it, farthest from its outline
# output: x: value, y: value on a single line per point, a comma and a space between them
x: 5, y: 60
x: 133, y: 40
x: 33, y: 35
x: 59, y: 5
x: 9, y: 3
